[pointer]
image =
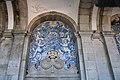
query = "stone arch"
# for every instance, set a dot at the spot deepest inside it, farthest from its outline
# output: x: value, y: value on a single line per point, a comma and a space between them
x: 107, y: 16
x: 52, y: 16
x: 23, y: 14
x: 85, y: 15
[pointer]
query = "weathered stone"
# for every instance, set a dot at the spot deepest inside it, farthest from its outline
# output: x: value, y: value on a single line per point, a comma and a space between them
x: 84, y: 19
x: 105, y: 20
x: 94, y: 62
x: 85, y: 5
x: 92, y: 74
x: 15, y: 57
x: 84, y: 27
x: 84, y: 11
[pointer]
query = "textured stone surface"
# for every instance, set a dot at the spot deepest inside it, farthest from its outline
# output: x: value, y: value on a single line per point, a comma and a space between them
x: 5, y: 48
x: 84, y: 19
x: 84, y: 27
x: 94, y: 57
x: 68, y: 7
x: 93, y: 60
x: 15, y: 58
x: 85, y: 5
x: 52, y: 79
x: 84, y: 11
x: 114, y: 57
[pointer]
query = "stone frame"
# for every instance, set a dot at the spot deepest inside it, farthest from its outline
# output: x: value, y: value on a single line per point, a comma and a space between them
x: 39, y: 19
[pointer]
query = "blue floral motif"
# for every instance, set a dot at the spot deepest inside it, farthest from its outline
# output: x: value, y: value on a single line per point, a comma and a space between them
x: 117, y: 38
x: 58, y: 37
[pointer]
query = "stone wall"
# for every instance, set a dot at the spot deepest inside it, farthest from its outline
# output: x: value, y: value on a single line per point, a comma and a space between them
x: 99, y: 58
x: 96, y: 64
x: 114, y: 55
x: 84, y: 16
x: 13, y: 61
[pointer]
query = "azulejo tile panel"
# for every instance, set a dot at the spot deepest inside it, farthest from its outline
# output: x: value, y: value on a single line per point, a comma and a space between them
x: 117, y: 38
x: 53, y: 35
x: 115, y: 26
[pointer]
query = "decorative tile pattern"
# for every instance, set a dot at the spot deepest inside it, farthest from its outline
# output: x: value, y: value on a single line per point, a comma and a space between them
x: 53, y: 35
x: 117, y: 38
x: 116, y: 25
x: 116, y: 28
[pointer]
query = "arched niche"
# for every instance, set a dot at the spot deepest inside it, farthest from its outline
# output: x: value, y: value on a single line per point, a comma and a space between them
x: 53, y: 47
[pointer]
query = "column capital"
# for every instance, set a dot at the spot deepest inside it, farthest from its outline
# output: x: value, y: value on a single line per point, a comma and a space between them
x: 19, y: 32
x: 109, y: 33
x: 7, y: 34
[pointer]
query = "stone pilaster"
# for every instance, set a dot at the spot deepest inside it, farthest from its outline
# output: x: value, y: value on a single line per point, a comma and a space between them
x: 88, y: 56
x: 5, y: 49
x: 113, y: 54
x: 14, y: 63
x: 81, y: 58
x: 24, y: 63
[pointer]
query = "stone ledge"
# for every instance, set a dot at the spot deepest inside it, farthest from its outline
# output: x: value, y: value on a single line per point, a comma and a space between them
x: 54, y: 75
x: 12, y: 33
x: 109, y: 33
x: 90, y: 32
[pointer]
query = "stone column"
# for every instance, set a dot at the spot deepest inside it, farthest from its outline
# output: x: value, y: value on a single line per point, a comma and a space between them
x: 5, y: 49
x: 24, y: 58
x: 81, y: 58
x: 15, y: 57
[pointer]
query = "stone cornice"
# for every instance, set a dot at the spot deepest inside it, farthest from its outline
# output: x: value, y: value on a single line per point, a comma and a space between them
x: 85, y: 32
x: 109, y: 33
x: 14, y: 33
